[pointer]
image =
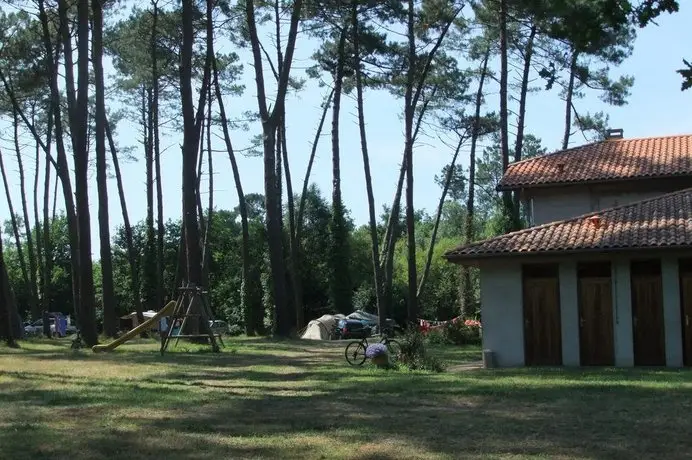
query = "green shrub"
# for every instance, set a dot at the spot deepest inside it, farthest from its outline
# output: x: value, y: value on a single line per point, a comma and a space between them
x: 437, y: 337
x: 414, y: 355
x: 235, y: 330
x: 458, y: 333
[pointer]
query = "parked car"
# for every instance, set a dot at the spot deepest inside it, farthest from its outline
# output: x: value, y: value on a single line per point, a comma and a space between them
x: 36, y: 328
x: 218, y: 327
x: 353, y: 329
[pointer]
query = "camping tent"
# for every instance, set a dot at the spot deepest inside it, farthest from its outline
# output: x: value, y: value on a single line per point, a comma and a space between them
x: 370, y: 319
x: 132, y: 317
x: 320, y: 328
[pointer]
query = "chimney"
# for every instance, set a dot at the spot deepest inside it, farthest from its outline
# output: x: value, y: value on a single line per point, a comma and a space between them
x: 618, y: 133
x: 596, y: 221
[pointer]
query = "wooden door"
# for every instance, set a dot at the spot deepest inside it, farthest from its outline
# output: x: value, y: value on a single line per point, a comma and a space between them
x: 542, y: 331
x: 686, y: 307
x: 647, y: 315
x: 596, y: 344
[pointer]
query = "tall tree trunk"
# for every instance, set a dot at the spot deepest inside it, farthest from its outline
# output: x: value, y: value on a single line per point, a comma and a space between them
x: 412, y: 310
x: 521, y: 121
x: 66, y: 36
x: 54, y: 209
x: 181, y: 262
x: 339, y: 277
x: 40, y: 299
x: 206, y: 254
x: 311, y: 160
x: 31, y: 255
x: 568, y: 100
x: 279, y: 172
x: 150, y: 287
x: 160, y: 224
x: 389, y: 241
x: 78, y: 107
x: 132, y: 256
x: 467, y: 295
x: 270, y: 122
x: 47, y: 267
x: 160, y: 228
x: 251, y: 299
x: 438, y: 217
x: 294, y: 266
x: 296, y: 244
x: 8, y: 306
x: 47, y: 241
x: 52, y: 61
x: 191, y: 137
x: 392, y: 228
x: 377, y: 270
x: 62, y: 170
x: 393, y: 219
x: 108, y: 289
x: 190, y: 150
x: 200, y: 209
x: 504, y: 115
x: 15, y: 226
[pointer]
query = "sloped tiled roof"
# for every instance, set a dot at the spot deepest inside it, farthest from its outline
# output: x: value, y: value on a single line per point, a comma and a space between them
x: 615, y: 159
x: 661, y: 222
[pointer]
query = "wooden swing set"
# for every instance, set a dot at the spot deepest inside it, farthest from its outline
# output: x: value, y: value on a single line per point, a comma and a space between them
x: 185, y: 307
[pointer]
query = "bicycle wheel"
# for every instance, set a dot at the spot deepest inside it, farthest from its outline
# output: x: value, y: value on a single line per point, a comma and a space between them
x: 394, y: 348
x: 355, y: 353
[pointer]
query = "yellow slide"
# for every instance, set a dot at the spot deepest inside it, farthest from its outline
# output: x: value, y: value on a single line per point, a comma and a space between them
x: 146, y: 325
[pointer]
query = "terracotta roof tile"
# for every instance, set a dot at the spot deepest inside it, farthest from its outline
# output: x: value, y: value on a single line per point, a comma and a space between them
x: 616, y: 159
x: 661, y: 222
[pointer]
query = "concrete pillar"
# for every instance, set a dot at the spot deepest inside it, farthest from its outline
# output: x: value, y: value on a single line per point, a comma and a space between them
x: 622, y: 313
x: 671, y: 311
x: 569, y: 313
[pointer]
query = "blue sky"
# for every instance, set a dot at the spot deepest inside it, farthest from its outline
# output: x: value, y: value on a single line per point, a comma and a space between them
x: 656, y: 107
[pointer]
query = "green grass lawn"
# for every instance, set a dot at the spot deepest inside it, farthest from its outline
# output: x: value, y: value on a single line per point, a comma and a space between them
x: 271, y: 399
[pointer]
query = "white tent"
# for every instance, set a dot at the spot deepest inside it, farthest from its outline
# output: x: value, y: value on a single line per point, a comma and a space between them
x: 320, y: 328
x: 135, y: 322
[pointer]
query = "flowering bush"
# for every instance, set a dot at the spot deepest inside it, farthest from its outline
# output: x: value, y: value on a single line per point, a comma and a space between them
x: 375, y: 350
x: 462, y: 333
x: 472, y: 323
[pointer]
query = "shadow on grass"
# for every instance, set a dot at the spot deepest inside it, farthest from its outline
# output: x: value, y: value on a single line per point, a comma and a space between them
x: 325, y: 409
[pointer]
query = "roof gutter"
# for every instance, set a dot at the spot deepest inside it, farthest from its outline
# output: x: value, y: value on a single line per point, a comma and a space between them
x: 471, y: 258
x: 525, y: 186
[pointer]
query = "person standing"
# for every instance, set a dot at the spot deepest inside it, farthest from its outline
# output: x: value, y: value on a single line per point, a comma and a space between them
x: 163, y: 327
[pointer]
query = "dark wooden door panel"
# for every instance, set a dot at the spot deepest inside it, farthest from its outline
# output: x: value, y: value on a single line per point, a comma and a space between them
x: 542, y: 330
x: 686, y: 307
x: 647, y: 320
x: 596, y: 344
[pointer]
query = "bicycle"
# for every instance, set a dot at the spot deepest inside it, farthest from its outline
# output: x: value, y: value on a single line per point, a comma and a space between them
x: 355, y: 351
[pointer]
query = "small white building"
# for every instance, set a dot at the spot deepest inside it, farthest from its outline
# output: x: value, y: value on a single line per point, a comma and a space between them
x: 605, y: 278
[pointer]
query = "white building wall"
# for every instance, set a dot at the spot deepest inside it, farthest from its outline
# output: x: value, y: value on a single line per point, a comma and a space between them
x: 560, y: 203
x: 551, y: 205
x: 503, y: 317
x: 611, y: 200
x: 502, y: 314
